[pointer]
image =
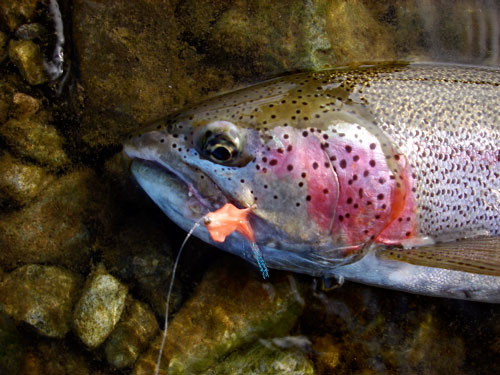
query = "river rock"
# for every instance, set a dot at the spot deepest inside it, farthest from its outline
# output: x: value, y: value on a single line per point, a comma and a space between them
x: 36, y: 140
x: 15, y: 12
x: 231, y: 307
x: 99, y: 308
x: 27, y: 57
x: 42, y: 296
x: 21, y: 182
x: 131, y: 336
x: 134, y: 69
x: 58, y: 227
x: 264, y: 360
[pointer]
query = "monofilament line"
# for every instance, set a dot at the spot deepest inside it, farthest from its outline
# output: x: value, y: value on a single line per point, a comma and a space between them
x: 172, y: 277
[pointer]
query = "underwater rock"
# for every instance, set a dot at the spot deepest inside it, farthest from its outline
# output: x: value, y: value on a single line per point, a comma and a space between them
x: 131, y: 336
x: 264, y: 360
x: 259, y: 38
x: 99, y: 308
x: 24, y: 106
x: 27, y: 57
x: 11, y: 348
x: 54, y: 358
x: 21, y: 182
x: 3, y: 45
x: 15, y: 12
x: 35, y: 140
x: 368, y: 330
x: 42, y: 296
x: 134, y: 69
x: 232, y: 306
x: 57, y: 227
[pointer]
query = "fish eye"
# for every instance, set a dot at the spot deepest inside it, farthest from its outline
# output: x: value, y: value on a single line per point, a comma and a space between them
x: 221, y: 142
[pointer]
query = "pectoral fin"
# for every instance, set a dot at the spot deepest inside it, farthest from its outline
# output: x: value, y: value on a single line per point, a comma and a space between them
x: 476, y: 255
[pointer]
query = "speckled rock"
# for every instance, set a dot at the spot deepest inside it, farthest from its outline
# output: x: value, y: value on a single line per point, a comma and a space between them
x: 231, y: 307
x: 27, y: 57
x: 134, y: 69
x: 11, y: 348
x: 36, y: 140
x: 3, y: 46
x: 15, y: 12
x: 132, y: 335
x: 42, y: 296
x: 58, y: 227
x: 264, y: 360
x: 55, y: 359
x: 21, y: 182
x: 99, y: 308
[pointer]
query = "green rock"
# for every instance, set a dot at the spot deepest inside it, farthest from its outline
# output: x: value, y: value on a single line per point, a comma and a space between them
x: 231, y: 307
x: 99, y: 308
x: 21, y: 182
x: 264, y: 360
x: 35, y: 140
x: 11, y: 348
x: 26, y: 55
x: 15, y: 12
x: 42, y: 296
x: 131, y: 336
x: 58, y: 226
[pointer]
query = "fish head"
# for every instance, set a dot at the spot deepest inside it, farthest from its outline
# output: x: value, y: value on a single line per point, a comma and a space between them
x: 280, y: 152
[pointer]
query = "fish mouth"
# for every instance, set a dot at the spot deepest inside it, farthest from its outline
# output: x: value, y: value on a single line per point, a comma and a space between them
x: 173, y: 192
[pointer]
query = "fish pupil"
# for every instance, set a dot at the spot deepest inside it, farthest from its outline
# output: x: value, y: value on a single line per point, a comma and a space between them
x: 221, y: 153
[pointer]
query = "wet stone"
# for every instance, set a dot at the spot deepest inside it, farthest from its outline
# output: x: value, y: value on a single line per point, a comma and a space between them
x: 11, y: 349
x: 21, y: 182
x: 119, y: 56
x: 57, y: 227
x: 99, y: 308
x: 42, y: 296
x: 15, y: 12
x: 264, y: 360
x: 24, y: 106
x: 35, y: 140
x: 27, y: 57
x: 132, y: 335
x: 231, y: 307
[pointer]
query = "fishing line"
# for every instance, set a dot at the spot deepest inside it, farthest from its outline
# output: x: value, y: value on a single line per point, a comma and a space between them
x: 164, y: 337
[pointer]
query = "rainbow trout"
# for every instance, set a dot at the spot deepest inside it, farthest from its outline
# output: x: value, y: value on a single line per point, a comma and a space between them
x: 387, y: 175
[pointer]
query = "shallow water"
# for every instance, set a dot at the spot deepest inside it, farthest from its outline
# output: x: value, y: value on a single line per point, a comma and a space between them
x: 73, y: 222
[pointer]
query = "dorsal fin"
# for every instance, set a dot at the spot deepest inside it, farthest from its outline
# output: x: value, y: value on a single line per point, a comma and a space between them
x: 475, y: 255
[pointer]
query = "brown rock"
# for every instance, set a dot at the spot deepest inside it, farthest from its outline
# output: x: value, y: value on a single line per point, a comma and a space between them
x: 15, y: 12
x: 21, y: 182
x: 35, y: 140
x: 26, y: 55
x: 131, y: 336
x: 134, y: 69
x: 57, y: 228
x: 231, y: 307
x: 42, y: 296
